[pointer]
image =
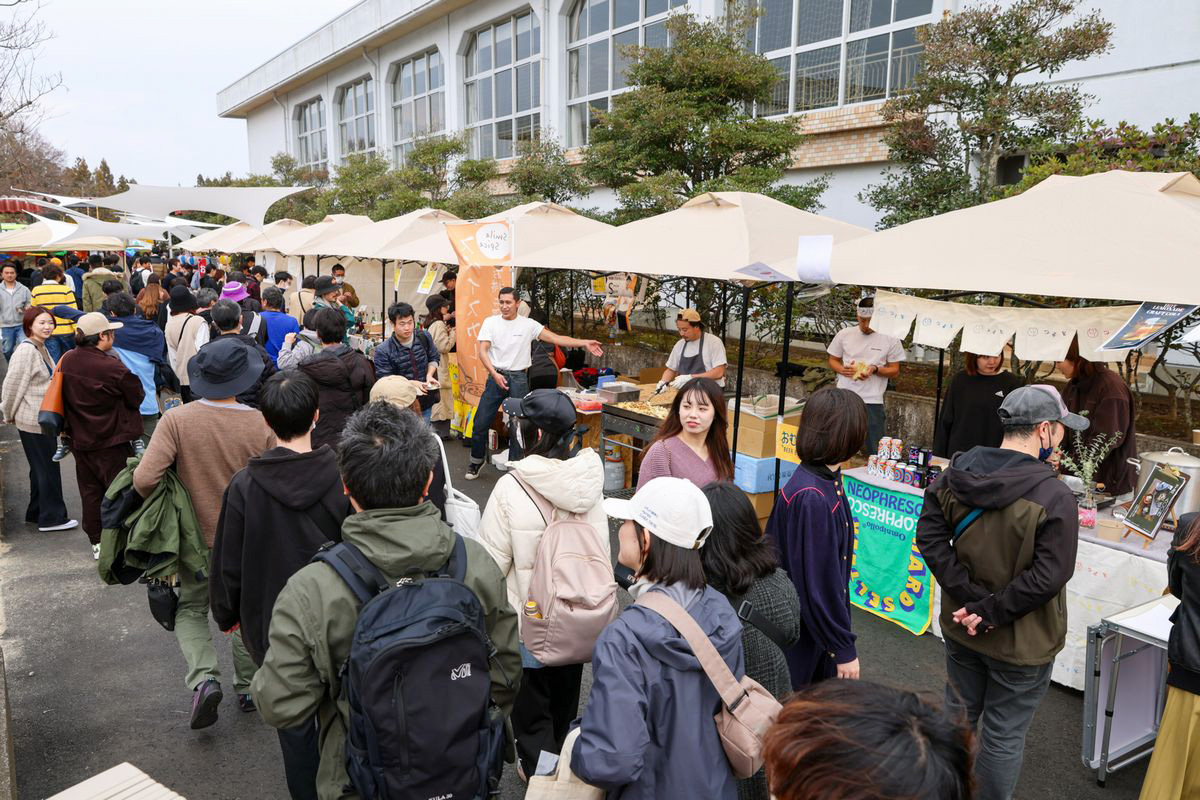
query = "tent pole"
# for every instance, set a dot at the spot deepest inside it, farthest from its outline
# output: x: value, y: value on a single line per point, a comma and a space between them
x: 571, y: 302
x: 737, y: 400
x: 546, y: 292
x: 785, y: 366
x: 383, y: 283
x: 937, y: 403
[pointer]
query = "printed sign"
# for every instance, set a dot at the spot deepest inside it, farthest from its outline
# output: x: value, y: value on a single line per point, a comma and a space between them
x: 427, y: 280
x: 1149, y: 321
x: 1149, y: 510
x: 785, y: 443
x: 481, y: 244
x: 888, y: 577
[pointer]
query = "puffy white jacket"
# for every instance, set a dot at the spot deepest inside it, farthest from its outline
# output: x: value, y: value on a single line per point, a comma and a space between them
x: 512, y: 526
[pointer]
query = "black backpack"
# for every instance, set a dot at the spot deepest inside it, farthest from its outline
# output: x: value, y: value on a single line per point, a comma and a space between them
x: 422, y: 723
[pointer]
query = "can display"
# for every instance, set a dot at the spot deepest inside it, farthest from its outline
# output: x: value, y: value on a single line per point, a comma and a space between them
x: 873, y: 466
x: 893, y: 470
x: 922, y: 478
x: 897, y: 449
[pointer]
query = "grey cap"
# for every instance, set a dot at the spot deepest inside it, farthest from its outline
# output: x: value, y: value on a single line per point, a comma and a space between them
x: 1039, y: 402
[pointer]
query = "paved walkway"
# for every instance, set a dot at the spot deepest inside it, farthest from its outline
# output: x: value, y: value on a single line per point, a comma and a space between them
x: 95, y: 681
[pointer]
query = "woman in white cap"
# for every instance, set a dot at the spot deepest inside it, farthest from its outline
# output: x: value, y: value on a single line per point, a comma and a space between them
x: 648, y: 729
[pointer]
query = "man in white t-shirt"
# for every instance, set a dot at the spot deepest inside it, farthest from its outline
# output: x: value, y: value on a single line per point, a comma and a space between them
x: 864, y: 361
x: 696, y: 355
x: 503, y: 347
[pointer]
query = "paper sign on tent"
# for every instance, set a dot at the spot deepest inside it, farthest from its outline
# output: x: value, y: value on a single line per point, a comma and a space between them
x: 481, y: 244
x: 427, y: 280
x: 813, y: 257
x: 761, y: 272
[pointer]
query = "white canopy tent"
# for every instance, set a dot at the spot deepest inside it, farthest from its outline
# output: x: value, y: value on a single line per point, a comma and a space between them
x: 264, y: 239
x: 308, y: 240
x: 1111, y: 236
x: 249, y: 203
x: 225, y: 240
x: 389, y: 238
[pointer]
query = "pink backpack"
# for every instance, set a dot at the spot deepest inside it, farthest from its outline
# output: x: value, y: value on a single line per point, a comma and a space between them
x: 572, y: 584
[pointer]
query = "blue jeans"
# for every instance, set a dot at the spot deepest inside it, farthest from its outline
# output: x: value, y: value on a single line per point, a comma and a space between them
x: 489, y: 404
x: 875, y: 425
x: 60, y: 343
x: 427, y: 414
x: 10, y: 337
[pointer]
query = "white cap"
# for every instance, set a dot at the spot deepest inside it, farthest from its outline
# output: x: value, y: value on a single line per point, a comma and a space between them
x: 673, y: 509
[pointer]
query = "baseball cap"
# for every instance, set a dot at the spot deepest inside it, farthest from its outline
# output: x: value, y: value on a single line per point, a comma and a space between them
x: 395, y: 389
x: 549, y: 409
x: 688, y: 315
x: 673, y: 509
x: 1036, y: 403
x: 94, y: 323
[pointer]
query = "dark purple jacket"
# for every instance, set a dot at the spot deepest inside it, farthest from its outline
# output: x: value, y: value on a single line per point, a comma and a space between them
x: 812, y: 526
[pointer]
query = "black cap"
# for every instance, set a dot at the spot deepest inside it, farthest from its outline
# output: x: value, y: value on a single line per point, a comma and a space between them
x: 182, y: 299
x: 225, y: 367
x: 549, y: 409
x: 449, y: 275
x: 325, y: 285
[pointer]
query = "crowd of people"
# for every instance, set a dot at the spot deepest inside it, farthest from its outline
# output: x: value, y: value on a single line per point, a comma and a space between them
x: 359, y: 611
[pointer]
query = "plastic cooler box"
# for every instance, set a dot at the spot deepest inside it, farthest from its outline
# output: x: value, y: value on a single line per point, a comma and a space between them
x: 755, y: 475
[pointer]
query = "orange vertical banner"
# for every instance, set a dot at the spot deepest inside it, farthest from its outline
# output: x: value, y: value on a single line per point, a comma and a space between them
x: 484, y: 257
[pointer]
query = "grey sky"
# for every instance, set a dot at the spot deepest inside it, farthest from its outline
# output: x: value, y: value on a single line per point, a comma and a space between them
x: 140, y: 78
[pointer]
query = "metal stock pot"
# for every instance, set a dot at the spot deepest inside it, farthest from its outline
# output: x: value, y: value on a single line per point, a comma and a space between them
x: 1189, y: 498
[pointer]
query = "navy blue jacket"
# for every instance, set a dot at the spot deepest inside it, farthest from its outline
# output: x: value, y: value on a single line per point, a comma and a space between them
x: 393, y: 358
x: 812, y: 526
x: 648, y: 731
x: 136, y: 333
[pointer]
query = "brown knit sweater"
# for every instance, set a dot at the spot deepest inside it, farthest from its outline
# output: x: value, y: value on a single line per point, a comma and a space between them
x: 207, y: 443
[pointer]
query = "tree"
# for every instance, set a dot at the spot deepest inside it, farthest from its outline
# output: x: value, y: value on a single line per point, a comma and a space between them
x: 122, y: 184
x: 685, y: 127
x: 981, y: 94
x: 78, y: 179
x: 27, y: 161
x: 22, y: 86
x: 542, y: 172
x: 103, y: 181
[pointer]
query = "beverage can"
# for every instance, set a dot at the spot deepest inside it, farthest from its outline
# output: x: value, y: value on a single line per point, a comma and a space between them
x: 897, y: 449
x: 885, y: 447
x: 910, y: 474
x: 892, y: 470
x: 922, y: 479
x: 872, y: 465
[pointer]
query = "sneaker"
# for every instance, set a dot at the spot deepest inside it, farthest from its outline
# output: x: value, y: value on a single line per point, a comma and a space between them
x: 473, y: 471
x: 61, y: 451
x: 139, y: 447
x: 95, y: 552
x: 205, y: 700
x: 246, y: 703
x: 65, y: 526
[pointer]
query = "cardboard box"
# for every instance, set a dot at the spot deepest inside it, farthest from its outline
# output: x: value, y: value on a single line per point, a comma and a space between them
x: 651, y: 375
x: 763, y: 502
x: 757, y: 475
x: 756, y: 435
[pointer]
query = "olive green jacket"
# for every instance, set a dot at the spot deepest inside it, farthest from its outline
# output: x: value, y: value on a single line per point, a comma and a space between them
x: 313, y: 623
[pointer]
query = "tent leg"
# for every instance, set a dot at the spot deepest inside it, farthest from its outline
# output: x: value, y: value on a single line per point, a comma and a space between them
x: 383, y: 283
x: 937, y: 403
x: 571, y: 302
x: 546, y: 293
x: 785, y: 365
x: 737, y: 400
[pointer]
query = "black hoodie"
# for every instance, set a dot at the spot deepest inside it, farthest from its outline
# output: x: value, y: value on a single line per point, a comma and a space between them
x: 1011, y: 564
x: 276, y: 514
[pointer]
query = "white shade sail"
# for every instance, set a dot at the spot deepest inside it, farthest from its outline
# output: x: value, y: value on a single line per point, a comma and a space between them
x: 535, y: 226
x: 265, y: 237
x: 35, y: 237
x: 88, y: 227
x: 307, y: 241
x: 389, y: 238
x: 1112, y: 236
x: 710, y: 236
x: 223, y: 240
x: 249, y: 203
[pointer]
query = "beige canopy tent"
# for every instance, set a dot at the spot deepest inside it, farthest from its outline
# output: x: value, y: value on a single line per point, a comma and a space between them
x: 711, y: 236
x: 389, y: 238
x: 266, y: 237
x: 308, y: 240
x: 535, y: 226
x: 1112, y: 236
x: 35, y: 237
x: 222, y: 240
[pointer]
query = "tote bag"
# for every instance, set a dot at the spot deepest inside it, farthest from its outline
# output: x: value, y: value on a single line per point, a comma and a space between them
x: 564, y: 784
x: 50, y: 415
x: 462, y: 513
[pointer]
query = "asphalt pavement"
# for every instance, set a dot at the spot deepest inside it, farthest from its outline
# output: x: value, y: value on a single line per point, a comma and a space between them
x: 94, y: 681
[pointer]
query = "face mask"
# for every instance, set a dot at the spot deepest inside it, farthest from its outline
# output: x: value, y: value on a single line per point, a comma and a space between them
x: 1043, y: 451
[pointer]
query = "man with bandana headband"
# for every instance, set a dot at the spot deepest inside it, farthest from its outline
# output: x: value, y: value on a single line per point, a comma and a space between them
x: 864, y: 360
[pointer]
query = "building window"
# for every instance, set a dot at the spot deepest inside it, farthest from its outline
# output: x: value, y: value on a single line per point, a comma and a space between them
x: 312, y: 147
x: 356, y: 118
x: 599, y: 35
x: 503, y: 86
x: 838, y: 52
x: 418, y: 101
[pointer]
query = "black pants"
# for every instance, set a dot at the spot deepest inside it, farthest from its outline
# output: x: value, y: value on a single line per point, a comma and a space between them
x: 301, y: 748
x: 546, y: 703
x: 46, y: 506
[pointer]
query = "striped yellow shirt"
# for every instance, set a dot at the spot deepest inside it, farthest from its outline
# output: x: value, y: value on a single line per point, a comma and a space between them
x: 50, y: 295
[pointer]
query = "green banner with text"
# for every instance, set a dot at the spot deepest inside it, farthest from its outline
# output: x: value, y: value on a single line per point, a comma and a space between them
x: 888, y: 577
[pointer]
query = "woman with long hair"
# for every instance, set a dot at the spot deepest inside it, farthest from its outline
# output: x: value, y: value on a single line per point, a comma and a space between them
x: 443, y: 336
x: 742, y: 564
x: 1174, y: 771
x: 25, y: 383
x: 152, y: 301
x: 691, y: 442
x: 511, y: 531
x: 846, y: 740
x: 812, y: 527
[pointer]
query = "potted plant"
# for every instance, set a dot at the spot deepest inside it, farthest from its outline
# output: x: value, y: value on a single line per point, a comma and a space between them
x: 1084, y: 463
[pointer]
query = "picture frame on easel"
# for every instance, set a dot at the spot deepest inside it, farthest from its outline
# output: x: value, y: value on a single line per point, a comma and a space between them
x: 1154, y: 504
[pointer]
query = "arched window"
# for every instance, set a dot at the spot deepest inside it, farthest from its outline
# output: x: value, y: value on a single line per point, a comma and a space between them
x: 312, y: 150
x: 418, y: 101
x: 838, y: 52
x: 598, y: 31
x: 503, y: 85
x: 356, y: 117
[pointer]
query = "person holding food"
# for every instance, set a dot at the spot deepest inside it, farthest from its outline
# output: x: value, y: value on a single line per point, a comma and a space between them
x: 864, y: 360
x: 696, y: 355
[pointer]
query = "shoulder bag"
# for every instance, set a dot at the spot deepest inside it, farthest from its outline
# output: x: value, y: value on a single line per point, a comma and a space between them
x: 462, y: 513
x: 747, y: 709
x: 50, y: 415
